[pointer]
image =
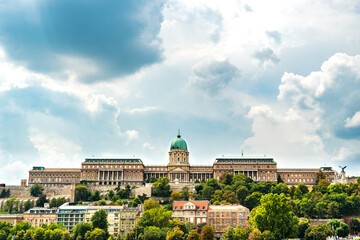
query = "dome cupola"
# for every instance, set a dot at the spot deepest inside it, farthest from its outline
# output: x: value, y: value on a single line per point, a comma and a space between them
x: 178, y: 143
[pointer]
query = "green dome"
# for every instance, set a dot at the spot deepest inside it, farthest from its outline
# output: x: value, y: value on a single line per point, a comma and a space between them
x: 178, y: 143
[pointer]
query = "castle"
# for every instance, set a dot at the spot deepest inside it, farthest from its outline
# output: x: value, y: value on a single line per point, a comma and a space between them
x: 132, y: 171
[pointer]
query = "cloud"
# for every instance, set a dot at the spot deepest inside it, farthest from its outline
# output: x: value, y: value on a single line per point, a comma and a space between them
x: 143, y: 109
x: 212, y: 76
x: 132, y: 135
x: 354, y: 121
x: 275, y: 36
x: 90, y: 41
x: 148, y: 146
x: 331, y: 96
x: 266, y: 57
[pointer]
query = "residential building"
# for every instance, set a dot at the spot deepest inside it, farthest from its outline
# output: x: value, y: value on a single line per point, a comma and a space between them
x: 70, y: 215
x: 11, y: 218
x: 222, y: 216
x: 121, y: 219
x: 38, y: 216
x: 191, y: 211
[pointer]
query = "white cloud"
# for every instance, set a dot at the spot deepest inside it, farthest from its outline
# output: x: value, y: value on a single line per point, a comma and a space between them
x: 143, y: 109
x: 148, y: 146
x: 354, y: 121
x: 132, y: 135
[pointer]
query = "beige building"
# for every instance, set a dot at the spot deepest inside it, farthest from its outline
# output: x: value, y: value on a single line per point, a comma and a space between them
x: 121, y: 219
x: 294, y: 176
x: 132, y: 171
x: 54, y: 176
x: 11, y: 218
x: 38, y: 216
x: 191, y: 211
x: 223, y: 216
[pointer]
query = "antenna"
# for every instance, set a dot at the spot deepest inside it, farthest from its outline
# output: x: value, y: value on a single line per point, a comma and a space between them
x: 242, y: 152
x: 179, y: 133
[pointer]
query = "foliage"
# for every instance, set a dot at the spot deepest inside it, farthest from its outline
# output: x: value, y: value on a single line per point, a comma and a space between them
x: 154, y: 233
x: 124, y: 193
x: 96, y: 234
x: 82, y: 193
x: 175, y: 196
x: 185, y: 194
x: 41, y: 200
x: 149, y: 204
x: 193, y: 235
x: 5, y: 193
x: 341, y: 229
x: 36, y: 190
x: 229, y: 234
x: 318, y: 232
x: 162, y: 187
x: 252, y: 200
x: 81, y: 229
x: 207, y: 233
x: 319, y: 176
x: 274, y: 214
x: 99, y: 220
x: 355, y: 225
x: 157, y: 217
x: 175, y: 234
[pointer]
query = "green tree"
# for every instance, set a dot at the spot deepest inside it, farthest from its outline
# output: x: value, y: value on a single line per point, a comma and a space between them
x: 199, y: 188
x: 207, y: 233
x: 267, y: 235
x: 207, y: 192
x: 175, y: 196
x: 149, y: 204
x: 274, y: 214
x: 39, y: 234
x: 279, y: 179
x: 255, y: 234
x: 303, y: 226
x: 319, y: 176
x: 226, y: 179
x: 162, y: 187
x: 154, y: 233
x: 355, y: 225
x: 95, y: 196
x: 252, y: 200
x: 341, y: 229
x: 157, y: 217
x: 213, y: 183
x: 81, y: 229
x: 193, y: 235
x: 110, y: 194
x: 41, y: 200
x: 98, y: 234
x: 242, y: 192
x: 318, y: 232
x: 175, y: 234
x: 230, y: 197
x: 56, y: 234
x: 66, y: 235
x: 229, y: 234
x: 189, y: 226
x: 82, y: 193
x: 36, y: 190
x: 99, y: 220
x: 185, y: 194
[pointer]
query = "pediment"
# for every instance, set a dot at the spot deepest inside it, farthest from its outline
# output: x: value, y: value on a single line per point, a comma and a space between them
x: 178, y: 170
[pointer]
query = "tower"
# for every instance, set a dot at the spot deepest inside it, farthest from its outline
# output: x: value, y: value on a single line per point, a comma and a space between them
x: 178, y: 165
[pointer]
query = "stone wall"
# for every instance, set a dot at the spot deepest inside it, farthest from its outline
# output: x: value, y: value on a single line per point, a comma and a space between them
x: 177, y: 187
x: 24, y: 192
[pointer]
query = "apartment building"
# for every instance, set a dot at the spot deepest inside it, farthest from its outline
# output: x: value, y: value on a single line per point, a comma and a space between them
x: 222, y: 216
x: 191, y: 211
x: 38, y: 216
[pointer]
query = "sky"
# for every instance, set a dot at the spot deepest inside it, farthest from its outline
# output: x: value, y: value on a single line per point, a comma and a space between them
x: 119, y: 78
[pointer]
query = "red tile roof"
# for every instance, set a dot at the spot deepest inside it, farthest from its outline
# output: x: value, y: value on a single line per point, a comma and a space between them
x: 200, y: 205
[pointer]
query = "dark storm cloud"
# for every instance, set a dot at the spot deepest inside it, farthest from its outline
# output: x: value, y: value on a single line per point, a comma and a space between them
x: 117, y: 37
x: 213, y: 76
